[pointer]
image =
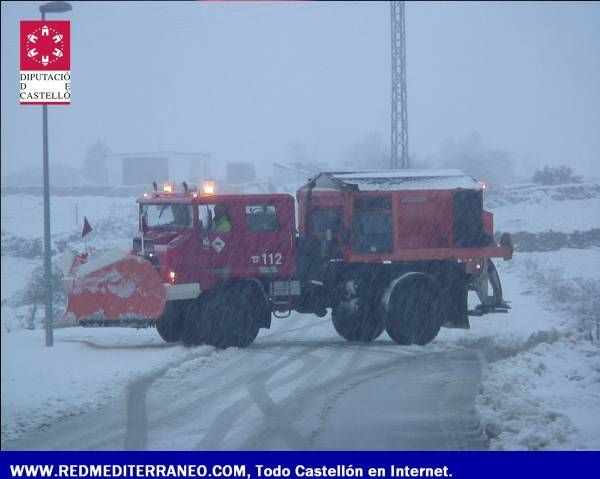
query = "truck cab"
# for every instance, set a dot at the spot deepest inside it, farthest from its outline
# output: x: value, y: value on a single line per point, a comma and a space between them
x: 197, y: 240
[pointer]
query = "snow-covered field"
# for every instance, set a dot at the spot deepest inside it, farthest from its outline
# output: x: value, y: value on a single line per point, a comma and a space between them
x: 113, y: 219
x: 569, y: 262
x: 22, y: 215
x: 535, y: 208
x: 41, y: 385
x: 567, y: 216
x: 540, y: 388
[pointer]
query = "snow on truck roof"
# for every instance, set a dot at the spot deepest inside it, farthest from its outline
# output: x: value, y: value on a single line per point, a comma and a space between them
x: 391, y: 180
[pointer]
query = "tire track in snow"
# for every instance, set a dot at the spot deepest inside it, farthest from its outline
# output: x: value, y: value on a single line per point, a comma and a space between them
x: 237, y: 368
x: 107, y: 427
x: 136, y: 417
x: 464, y: 430
x: 103, y: 428
x: 276, y: 421
x: 252, y: 372
x: 381, y: 347
x: 136, y: 432
x: 460, y: 432
x: 278, y: 418
x: 459, y: 425
x: 136, y: 429
x: 225, y: 421
x: 118, y: 347
x: 344, y: 383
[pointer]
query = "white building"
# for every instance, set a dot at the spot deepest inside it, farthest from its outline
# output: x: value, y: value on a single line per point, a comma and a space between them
x: 146, y: 167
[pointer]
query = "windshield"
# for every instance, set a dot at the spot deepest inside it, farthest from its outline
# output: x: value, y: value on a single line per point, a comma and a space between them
x: 167, y: 215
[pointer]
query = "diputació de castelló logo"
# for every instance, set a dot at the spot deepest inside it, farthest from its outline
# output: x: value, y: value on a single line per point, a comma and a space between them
x: 45, y: 70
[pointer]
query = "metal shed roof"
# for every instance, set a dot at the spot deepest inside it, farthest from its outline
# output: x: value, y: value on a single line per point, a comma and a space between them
x: 388, y: 180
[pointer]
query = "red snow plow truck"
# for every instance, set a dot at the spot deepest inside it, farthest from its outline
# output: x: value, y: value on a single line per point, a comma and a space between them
x: 393, y: 250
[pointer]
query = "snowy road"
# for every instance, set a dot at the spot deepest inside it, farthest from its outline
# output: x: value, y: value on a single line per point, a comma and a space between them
x: 298, y: 386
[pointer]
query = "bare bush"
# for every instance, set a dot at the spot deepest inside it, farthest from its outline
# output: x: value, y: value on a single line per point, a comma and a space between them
x: 22, y: 247
x: 34, y: 294
x: 555, y: 175
x: 577, y: 297
x: 554, y: 240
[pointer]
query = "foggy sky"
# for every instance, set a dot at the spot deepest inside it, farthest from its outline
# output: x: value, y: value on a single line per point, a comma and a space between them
x: 244, y: 81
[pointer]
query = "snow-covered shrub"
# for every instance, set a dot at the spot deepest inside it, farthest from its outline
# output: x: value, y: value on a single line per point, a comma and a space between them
x: 22, y: 247
x: 525, y: 241
x: 555, y: 175
x: 586, y: 309
x: 578, y: 297
x: 34, y: 295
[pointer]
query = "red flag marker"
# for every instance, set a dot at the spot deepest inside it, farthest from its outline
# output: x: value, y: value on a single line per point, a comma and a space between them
x: 86, y: 227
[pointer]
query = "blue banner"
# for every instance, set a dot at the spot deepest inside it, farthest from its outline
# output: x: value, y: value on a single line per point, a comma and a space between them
x: 319, y: 464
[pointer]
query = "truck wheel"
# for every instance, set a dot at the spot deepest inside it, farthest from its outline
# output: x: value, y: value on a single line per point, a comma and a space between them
x: 236, y: 329
x: 414, y: 312
x: 354, y: 320
x: 233, y: 317
x: 196, y: 328
x: 170, y: 323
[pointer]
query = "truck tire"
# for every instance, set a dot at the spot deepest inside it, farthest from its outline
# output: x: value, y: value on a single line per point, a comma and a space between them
x: 354, y: 320
x: 170, y: 323
x: 196, y: 329
x: 414, y: 314
x: 234, y: 319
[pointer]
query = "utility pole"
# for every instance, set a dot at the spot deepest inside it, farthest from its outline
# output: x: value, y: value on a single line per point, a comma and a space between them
x: 399, y: 150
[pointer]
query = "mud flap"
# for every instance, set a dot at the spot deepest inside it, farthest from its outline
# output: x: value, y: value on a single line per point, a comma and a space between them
x: 457, y: 305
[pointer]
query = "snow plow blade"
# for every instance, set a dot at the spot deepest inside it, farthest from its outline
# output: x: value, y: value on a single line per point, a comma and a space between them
x: 114, y: 288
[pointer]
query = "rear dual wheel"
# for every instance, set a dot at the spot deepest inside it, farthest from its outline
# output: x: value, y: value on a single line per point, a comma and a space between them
x: 353, y: 323
x: 415, y: 312
x: 357, y: 318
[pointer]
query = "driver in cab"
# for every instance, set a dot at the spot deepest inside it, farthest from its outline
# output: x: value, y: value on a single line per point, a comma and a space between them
x: 221, y: 221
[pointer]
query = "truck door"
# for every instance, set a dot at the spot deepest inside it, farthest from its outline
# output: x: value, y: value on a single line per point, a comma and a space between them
x: 269, y: 237
x: 220, y: 239
x: 257, y: 240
